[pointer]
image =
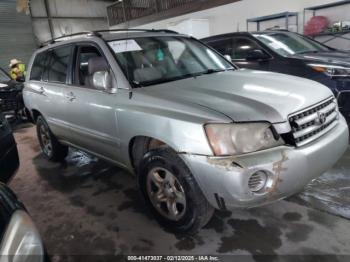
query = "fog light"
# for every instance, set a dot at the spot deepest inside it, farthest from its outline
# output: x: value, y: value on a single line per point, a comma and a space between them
x: 257, y: 181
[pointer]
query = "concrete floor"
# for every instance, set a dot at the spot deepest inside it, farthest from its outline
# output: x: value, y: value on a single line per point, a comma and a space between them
x: 88, y: 207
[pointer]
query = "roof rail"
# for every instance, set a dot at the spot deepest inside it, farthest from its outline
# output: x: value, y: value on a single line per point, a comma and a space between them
x: 54, y: 40
x: 277, y: 29
x: 97, y: 33
x: 137, y: 30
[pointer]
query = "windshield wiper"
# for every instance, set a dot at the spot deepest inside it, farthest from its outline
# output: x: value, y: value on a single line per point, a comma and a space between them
x: 165, y: 80
x: 212, y: 71
x: 307, y: 52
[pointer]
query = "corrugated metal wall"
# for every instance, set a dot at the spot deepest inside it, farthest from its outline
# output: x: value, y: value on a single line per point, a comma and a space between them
x: 68, y: 17
x: 16, y: 36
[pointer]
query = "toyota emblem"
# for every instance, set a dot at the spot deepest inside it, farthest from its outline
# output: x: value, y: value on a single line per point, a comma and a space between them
x: 321, y: 118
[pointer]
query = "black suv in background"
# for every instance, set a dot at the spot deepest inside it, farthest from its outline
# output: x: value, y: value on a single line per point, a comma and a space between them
x: 289, y: 53
x: 19, y: 238
x: 11, y: 99
x: 9, y: 161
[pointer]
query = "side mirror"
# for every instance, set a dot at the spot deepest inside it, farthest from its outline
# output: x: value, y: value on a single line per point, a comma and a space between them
x: 257, y: 54
x: 228, y: 58
x: 103, y: 80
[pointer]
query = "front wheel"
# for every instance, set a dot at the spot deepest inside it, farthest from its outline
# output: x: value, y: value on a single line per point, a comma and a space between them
x: 51, y: 148
x: 172, y: 193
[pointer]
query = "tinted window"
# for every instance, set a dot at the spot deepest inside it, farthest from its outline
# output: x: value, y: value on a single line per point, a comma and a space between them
x: 4, y: 77
x: 222, y: 46
x: 38, y: 66
x: 241, y: 47
x: 58, y: 64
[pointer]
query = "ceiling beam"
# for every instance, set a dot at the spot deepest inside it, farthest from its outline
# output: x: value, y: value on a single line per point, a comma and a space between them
x: 69, y: 17
x: 174, y: 12
x: 48, y: 13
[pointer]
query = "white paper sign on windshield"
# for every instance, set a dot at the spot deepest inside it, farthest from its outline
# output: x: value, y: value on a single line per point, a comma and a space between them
x: 122, y: 46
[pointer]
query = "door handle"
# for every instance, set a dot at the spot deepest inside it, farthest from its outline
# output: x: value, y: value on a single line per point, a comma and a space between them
x: 41, y: 90
x: 71, y: 97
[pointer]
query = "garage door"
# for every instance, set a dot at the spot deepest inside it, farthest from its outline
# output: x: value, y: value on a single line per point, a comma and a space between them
x: 16, y: 37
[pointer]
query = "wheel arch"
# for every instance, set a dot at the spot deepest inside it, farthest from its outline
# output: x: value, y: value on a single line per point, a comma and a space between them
x: 35, y: 114
x: 140, y: 145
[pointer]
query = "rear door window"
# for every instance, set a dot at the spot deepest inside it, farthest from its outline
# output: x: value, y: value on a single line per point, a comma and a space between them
x: 58, y: 68
x: 38, y: 66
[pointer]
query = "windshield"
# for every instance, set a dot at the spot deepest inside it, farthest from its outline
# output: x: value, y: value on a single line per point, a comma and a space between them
x: 153, y: 60
x: 4, y: 77
x: 287, y: 44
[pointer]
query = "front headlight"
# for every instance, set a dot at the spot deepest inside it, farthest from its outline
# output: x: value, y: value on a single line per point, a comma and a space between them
x: 236, y: 139
x: 331, y: 70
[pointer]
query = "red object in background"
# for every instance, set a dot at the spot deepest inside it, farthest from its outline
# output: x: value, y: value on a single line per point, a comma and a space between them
x: 316, y: 25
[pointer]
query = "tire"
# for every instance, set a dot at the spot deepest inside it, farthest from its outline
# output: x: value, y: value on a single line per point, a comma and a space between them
x: 51, y: 148
x: 193, y: 209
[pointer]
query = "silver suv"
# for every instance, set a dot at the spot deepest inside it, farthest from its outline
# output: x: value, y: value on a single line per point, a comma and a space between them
x: 198, y: 133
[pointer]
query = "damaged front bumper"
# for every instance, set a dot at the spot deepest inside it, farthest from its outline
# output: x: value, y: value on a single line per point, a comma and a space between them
x: 225, y: 181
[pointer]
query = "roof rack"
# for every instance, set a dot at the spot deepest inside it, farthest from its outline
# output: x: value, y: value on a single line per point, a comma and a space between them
x: 54, y: 40
x: 97, y: 33
x: 138, y: 30
x: 277, y: 29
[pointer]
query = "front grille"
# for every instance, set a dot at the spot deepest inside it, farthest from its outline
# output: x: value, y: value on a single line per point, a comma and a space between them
x: 8, y: 101
x: 8, y: 105
x: 314, y: 122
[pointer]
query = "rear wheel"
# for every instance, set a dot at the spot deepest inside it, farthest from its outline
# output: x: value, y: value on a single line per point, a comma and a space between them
x: 51, y: 148
x: 172, y: 193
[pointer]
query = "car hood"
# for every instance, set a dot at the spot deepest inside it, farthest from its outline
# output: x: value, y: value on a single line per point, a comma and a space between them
x: 244, y: 95
x: 331, y: 57
x: 10, y: 86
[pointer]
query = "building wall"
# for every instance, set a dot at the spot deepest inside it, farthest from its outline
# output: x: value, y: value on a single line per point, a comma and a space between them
x: 16, y: 35
x: 69, y: 17
x: 232, y: 17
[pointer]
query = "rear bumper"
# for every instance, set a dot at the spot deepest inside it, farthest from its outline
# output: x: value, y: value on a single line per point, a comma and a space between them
x: 224, y: 181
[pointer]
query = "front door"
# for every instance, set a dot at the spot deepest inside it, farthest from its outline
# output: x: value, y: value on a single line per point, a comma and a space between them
x: 91, y: 112
x: 239, y: 50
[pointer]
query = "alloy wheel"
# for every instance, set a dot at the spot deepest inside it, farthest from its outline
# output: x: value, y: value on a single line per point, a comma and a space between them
x: 45, y: 140
x: 166, y: 194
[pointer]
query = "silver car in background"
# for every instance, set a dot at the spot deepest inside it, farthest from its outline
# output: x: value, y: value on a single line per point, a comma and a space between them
x: 198, y: 133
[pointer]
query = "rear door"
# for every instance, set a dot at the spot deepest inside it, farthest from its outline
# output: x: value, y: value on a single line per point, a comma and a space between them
x: 9, y: 161
x: 48, y: 84
x: 57, y: 77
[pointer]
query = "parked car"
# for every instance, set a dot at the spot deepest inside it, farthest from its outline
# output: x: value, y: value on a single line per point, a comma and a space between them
x: 20, y: 241
x: 19, y: 238
x: 198, y: 133
x: 9, y: 161
x: 11, y: 99
x: 289, y: 53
